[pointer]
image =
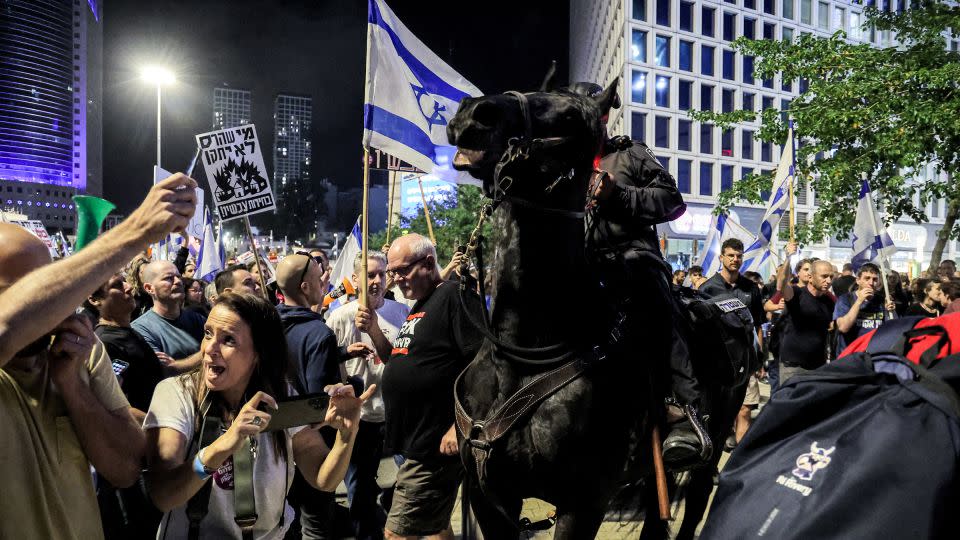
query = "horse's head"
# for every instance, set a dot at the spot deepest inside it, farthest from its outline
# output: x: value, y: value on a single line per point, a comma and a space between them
x: 567, y: 124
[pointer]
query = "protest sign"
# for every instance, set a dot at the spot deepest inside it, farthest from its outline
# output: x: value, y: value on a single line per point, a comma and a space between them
x: 233, y: 161
x: 38, y: 230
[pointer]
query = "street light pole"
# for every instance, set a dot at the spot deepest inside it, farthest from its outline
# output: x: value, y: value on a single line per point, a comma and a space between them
x: 158, y: 125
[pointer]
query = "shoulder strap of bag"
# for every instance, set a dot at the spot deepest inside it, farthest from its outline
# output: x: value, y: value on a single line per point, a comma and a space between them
x: 208, y: 432
x: 244, y: 500
x: 921, y: 375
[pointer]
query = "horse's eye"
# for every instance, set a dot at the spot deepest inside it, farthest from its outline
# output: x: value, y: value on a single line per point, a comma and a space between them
x: 486, y: 113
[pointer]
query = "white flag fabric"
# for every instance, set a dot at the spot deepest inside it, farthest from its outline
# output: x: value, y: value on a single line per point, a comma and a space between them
x: 343, y: 269
x: 870, y: 242
x: 209, y: 260
x: 778, y: 204
x: 411, y: 95
x: 721, y: 229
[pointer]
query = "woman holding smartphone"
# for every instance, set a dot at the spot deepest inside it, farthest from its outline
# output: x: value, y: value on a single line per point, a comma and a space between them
x: 244, y: 365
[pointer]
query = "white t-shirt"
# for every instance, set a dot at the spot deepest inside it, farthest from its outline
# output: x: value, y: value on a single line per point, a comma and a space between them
x: 172, y: 407
x: 391, y: 316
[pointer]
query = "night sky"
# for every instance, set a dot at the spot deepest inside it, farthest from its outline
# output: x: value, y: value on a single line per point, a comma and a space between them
x: 306, y: 47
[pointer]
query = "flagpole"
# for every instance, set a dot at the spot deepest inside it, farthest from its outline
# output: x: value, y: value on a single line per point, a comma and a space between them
x: 426, y: 212
x: 883, y: 259
x: 793, y: 178
x: 363, y: 225
x: 392, y: 180
x: 256, y: 257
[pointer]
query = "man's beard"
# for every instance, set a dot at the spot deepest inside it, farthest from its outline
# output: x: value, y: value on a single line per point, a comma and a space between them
x: 34, y: 348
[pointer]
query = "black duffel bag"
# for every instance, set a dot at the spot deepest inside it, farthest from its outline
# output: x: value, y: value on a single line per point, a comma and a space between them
x: 721, y: 337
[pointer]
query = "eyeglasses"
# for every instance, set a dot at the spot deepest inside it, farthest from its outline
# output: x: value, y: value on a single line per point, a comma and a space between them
x: 305, y: 266
x: 404, y: 271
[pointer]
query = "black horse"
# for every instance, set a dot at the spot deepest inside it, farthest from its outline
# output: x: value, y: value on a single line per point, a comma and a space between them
x: 535, y: 153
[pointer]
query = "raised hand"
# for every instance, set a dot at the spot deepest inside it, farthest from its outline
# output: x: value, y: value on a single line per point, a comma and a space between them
x: 71, y: 348
x: 168, y: 208
x: 343, y: 413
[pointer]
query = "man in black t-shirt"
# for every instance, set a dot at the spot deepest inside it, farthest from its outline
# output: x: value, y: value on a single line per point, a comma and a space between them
x: 810, y: 311
x: 125, y: 513
x: 433, y: 346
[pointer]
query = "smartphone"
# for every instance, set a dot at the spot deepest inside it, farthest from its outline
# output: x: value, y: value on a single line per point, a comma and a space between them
x: 297, y: 411
x: 119, y: 366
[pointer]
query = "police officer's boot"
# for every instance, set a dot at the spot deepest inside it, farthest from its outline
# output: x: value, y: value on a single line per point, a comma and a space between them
x: 687, y: 444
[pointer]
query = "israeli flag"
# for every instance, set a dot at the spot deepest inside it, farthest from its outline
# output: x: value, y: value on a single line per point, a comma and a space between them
x: 210, y: 258
x: 410, y: 96
x: 870, y: 242
x: 778, y: 204
x: 721, y: 229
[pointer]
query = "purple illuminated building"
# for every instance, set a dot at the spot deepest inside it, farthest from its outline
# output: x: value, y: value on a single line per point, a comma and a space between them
x: 50, y: 107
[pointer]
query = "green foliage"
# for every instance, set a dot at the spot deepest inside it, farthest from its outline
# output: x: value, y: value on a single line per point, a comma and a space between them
x: 883, y: 111
x: 452, y: 223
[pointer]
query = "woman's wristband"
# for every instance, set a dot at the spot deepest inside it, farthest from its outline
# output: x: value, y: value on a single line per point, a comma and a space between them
x: 199, y: 468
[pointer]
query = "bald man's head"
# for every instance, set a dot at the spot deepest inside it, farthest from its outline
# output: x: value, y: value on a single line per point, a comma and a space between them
x: 162, y: 281
x: 301, y: 280
x: 20, y: 253
x: 821, y: 276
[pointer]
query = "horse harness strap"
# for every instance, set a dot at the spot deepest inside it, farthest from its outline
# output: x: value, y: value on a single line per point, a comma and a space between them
x: 481, y: 435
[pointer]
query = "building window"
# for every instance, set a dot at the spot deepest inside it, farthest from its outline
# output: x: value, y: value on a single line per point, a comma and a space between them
x: 707, y: 22
x: 726, y: 143
x: 856, y: 32
x: 769, y: 31
x: 661, y: 131
x: 766, y: 151
x: 748, y: 70
x: 683, y: 134
x: 686, y: 55
x: 663, y: 12
x: 638, y: 126
x: 638, y: 46
x: 729, y: 26
x: 806, y: 11
x: 663, y: 51
x: 823, y: 15
x: 706, y: 60
x: 706, y: 139
x: 787, y: 85
x: 686, y: 16
x: 840, y: 18
x: 804, y: 85
x: 768, y: 83
x: 684, y: 95
x: 784, y: 105
x: 638, y: 87
x: 726, y: 177
x: 749, y: 28
x: 640, y: 10
x: 749, y: 4
x: 787, y: 34
x: 786, y: 9
x: 766, y: 103
x: 749, y: 101
x: 769, y: 7
x: 729, y: 70
x: 746, y: 144
x: 664, y: 162
x: 706, y: 97
x: 726, y: 100
x: 683, y: 175
x: 706, y: 178
x: 663, y: 91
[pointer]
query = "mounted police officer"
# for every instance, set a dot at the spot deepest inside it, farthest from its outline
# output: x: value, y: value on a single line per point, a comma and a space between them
x: 631, y: 193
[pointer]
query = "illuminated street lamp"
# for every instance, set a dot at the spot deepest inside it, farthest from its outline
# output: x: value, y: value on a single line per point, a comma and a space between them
x: 159, y: 77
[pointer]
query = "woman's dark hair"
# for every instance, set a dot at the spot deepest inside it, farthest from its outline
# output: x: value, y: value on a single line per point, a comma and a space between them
x: 271, y: 374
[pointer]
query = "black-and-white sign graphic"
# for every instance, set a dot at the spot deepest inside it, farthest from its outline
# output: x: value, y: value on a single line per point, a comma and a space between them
x: 234, y: 164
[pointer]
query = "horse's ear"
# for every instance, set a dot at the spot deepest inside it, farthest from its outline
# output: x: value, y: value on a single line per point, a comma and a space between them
x: 609, y: 98
x: 547, y: 83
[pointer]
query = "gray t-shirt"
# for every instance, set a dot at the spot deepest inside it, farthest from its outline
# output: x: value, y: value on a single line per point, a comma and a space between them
x: 179, y: 337
x: 172, y: 407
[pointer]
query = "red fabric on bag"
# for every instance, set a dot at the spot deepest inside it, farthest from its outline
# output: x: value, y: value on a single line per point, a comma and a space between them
x: 918, y: 345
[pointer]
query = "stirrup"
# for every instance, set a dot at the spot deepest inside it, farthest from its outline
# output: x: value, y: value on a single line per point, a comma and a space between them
x: 688, y: 444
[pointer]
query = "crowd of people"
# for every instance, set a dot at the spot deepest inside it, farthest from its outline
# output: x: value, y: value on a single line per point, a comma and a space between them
x: 166, y: 385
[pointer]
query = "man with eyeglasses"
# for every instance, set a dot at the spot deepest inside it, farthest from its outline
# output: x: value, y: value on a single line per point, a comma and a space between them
x: 434, y: 344
x: 313, y: 350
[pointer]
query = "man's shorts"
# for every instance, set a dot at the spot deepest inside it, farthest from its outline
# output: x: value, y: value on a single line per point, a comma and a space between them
x: 424, y: 496
x: 752, y: 399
